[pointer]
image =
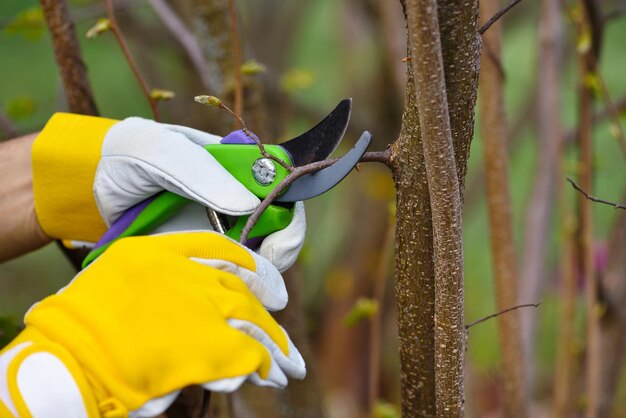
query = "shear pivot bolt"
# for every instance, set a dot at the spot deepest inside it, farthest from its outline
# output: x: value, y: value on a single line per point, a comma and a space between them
x: 264, y: 171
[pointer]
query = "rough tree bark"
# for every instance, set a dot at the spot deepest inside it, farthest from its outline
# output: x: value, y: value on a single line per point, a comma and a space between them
x: 429, y: 161
x: 69, y: 58
x: 494, y: 135
x: 613, y: 322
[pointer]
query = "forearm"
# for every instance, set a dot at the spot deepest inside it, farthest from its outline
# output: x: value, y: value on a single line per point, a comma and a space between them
x: 19, y: 229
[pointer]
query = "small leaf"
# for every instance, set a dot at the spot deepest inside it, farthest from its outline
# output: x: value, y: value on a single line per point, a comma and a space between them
x: 252, y: 67
x: 102, y: 25
x: 20, y: 107
x: 296, y: 79
x: 29, y: 23
x: 364, y: 308
x: 208, y: 100
x: 158, y: 94
x: 385, y: 410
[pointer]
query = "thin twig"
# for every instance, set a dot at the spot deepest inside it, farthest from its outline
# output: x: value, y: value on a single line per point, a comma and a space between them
x: 256, y: 140
x: 295, y: 174
x: 497, y: 16
x: 234, y: 44
x: 593, y: 198
x: 488, y: 317
x: 131, y: 61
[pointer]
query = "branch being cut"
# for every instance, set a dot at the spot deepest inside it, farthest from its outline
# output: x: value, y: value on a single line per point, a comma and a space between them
x: 295, y: 174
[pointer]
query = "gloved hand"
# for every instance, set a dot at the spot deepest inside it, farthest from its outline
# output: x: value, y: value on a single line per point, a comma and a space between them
x: 88, y: 171
x: 149, y: 317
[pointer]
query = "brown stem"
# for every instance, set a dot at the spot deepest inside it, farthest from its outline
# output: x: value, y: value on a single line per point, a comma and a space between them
x: 611, y: 110
x: 585, y: 235
x: 593, y: 198
x: 494, y: 133
x: 295, y: 174
x: 497, y: 16
x: 234, y: 44
x: 68, y: 57
x: 186, y: 39
x: 513, y: 308
x: 131, y: 61
x: 539, y: 210
x: 256, y: 140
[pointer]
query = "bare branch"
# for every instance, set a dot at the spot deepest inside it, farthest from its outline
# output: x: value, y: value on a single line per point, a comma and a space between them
x: 593, y: 198
x: 488, y: 317
x: 234, y: 45
x: 131, y: 61
x: 69, y: 58
x: 497, y: 16
x: 185, y: 38
x: 295, y: 174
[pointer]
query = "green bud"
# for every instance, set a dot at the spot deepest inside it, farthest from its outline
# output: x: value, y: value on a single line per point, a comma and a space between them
x: 252, y: 67
x: 158, y: 94
x: 102, y: 25
x: 208, y: 100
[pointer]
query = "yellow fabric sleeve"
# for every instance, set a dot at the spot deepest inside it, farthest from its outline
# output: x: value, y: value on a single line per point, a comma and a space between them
x: 65, y: 157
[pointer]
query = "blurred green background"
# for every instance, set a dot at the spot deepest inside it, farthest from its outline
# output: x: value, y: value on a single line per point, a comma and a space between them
x: 332, y: 52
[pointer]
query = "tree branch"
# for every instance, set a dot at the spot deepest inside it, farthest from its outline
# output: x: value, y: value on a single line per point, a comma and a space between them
x: 235, y: 50
x: 513, y: 308
x: 186, y: 39
x: 593, y: 198
x: 131, y: 61
x: 497, y: 16
x: 68, y: 57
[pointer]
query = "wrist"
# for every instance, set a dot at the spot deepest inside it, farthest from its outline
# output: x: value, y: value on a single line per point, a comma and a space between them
x: 20, y: 231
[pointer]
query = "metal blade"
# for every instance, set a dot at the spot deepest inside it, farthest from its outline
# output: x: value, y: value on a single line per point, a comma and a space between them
x: 314, y: 184
x: 320, y: 141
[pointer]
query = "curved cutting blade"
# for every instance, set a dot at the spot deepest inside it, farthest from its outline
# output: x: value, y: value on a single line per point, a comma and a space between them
x: 321, y: 140
x: 314, y: 184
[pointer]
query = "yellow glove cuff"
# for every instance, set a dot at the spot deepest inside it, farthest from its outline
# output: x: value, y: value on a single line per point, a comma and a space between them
x: 65, y: 157
x: 68, y: 381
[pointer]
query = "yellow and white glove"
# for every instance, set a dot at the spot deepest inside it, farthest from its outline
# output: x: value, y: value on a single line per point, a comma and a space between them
x: 149, y: 317
x: 87, y: 171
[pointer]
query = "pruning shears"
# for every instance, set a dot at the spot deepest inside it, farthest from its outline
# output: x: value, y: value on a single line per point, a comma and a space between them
x: 239, y: 154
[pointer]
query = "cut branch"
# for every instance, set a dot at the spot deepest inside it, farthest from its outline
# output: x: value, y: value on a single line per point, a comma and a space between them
x: 593, y: 198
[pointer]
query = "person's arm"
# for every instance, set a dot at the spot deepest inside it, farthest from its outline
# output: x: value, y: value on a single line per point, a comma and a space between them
x: 19, y: 229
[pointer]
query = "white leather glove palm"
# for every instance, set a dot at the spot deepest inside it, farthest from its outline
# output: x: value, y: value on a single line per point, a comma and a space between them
x: 141, y: 157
